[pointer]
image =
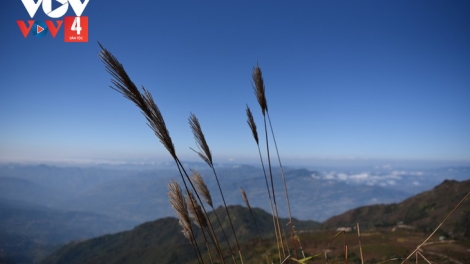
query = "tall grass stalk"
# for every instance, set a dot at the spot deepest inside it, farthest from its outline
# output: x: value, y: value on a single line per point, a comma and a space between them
x: 291, y: 224
x: 206, y: 155
x: 196, y: 214
x: 259, y: 90
x: 205, y: 193
x: 211, y: 228
x: 252, y: 124
x: 179, y: 206
x: 247, y: 203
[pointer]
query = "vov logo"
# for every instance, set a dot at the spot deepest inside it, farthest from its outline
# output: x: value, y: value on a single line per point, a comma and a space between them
x: 75, y: 28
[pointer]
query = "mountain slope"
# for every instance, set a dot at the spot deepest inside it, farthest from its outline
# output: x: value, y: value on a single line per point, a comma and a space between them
x: 161, y: 240
x: 29, y: 231
x: 423, y: 211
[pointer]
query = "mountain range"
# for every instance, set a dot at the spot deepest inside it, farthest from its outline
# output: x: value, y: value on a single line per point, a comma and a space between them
x: 42, y: 206
x: 136, y: 196
x: 162, y: 239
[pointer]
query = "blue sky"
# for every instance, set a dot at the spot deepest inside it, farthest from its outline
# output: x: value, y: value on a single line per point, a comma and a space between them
x: 345, y: 80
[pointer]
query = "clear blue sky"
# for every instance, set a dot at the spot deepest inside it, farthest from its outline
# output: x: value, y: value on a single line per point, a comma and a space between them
x: 344, y: 80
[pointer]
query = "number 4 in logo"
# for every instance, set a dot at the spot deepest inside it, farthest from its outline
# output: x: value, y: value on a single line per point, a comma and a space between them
x: 76, y: 29
x: 76, y: 25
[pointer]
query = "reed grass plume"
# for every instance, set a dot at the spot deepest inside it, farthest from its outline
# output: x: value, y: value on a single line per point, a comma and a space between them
x: 259, y: 89
x: 201, y: 187
x: 195, y: 211
x: 245, y: 198
x: 199, y: 218
x: 178, y: 203
x: 204, y: 150
x: 252, y: 124
x: 144, y: 100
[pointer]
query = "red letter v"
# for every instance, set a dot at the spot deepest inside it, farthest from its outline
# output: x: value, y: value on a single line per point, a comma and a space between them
x: 52, y: 28
x: 25, y: 30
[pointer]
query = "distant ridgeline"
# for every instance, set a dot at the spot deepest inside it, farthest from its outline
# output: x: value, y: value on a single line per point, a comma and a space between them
x: 162, y: 239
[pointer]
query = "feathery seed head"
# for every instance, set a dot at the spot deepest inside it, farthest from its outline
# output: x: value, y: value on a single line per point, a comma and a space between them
x: 179, y: 206
x: 245, y: 198
x: 124, y: 85
x: 258, y: 87
x: 195, y: 211
x: 201, y: 187
x: 252, y: 124
x: 204, y: 151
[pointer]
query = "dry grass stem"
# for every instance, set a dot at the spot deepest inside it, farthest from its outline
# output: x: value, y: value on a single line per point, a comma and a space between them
x: 437, y: 228
x: 259, y: 89
x: 247, y: 203
x: 360, y: 244
x: 252, y: 125
x: 423, y: 258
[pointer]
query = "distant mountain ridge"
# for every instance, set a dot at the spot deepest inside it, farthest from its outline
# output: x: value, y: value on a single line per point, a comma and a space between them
x: 162, y: 240
x: 423, y: 211
x: 140, y: 196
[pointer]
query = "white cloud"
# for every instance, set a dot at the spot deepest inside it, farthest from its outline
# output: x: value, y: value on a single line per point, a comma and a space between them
x: 330, y: 176
x: 380, y: 177
x: 363, y: 175
x: 315, y: 176
x: 342, y: 176
x: 412, y: 173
